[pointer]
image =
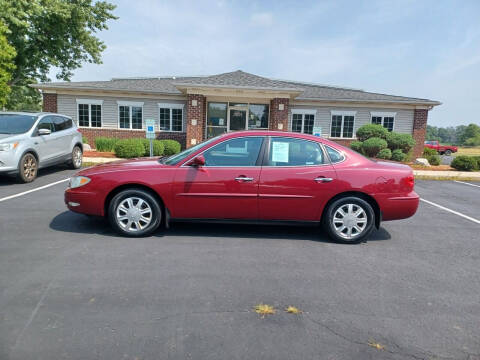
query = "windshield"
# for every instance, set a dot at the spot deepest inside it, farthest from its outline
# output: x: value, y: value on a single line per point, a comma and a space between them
x: 175, y: 159
x: 16, y: 124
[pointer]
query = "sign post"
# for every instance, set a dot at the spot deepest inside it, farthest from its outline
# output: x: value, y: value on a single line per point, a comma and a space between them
x: 317, y: 131
x: 150, y: 133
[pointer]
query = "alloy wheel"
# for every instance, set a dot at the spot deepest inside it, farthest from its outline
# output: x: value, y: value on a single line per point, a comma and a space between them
x: 77, y: 157
x: 349, y: 221
x: 29, y: 167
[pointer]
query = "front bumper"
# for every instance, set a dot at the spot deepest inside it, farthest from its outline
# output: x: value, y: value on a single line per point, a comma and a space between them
x: 8, y: 161
x: 395, y: 207
x: 84, y: 202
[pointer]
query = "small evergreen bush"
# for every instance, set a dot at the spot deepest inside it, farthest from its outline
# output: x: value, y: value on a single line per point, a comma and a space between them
x: 398, y: 155
x: 465, y: 163
x: 427, y: 151
x: 129, y: 148
x: 433, y: 160
x: 371, y: 131
x: 356, y: 146
x: 371, y: 147
x: 158, y: 147
x: 172, y: 147
x: 384, y: 154
x: 105, y: 143
x: 400, y: 141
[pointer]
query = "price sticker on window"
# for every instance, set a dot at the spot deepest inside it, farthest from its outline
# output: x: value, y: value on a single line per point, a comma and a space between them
x: 280, y: 151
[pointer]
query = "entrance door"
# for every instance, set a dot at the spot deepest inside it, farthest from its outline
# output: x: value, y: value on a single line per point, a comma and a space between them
x: 237, y: 118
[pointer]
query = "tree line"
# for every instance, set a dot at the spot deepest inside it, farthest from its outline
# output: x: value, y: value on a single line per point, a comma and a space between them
x: 466, y: 135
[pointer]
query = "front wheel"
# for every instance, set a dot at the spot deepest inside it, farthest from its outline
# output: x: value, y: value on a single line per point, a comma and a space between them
x: 448, y: 152
x: 349, y: 220
x: 134, y: 212
x: 27, y: 168
x: 77, y: 158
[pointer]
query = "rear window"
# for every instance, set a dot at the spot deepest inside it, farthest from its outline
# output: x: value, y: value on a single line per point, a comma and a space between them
x: 335, y: 155
x: 62, y: 123
x: 15, y: 123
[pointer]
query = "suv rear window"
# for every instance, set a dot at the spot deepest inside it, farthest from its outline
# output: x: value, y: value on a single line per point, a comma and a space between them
x: 16, y: 123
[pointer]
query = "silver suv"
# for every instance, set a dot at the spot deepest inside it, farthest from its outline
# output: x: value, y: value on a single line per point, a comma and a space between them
x: 29, y: 141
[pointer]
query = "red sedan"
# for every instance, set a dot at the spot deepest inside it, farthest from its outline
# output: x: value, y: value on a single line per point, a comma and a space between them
x: 249, y: 176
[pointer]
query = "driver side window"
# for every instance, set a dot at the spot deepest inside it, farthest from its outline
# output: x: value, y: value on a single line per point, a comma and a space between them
x: 234, y: 152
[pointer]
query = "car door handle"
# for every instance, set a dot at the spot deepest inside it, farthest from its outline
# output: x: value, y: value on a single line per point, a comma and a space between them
x: 243, y: 179
x: 323, y: 179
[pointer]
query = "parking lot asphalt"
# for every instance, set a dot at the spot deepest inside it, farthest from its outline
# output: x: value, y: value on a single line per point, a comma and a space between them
x: 72, y: 289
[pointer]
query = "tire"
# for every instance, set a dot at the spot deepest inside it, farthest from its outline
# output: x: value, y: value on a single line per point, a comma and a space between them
x: 27, y: 168
x: 364, y: 221
x: 448, y: 152
x: 134, y: 223
x: 77, y: 157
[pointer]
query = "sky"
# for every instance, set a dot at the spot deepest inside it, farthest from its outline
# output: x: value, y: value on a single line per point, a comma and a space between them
x: 426, y: 49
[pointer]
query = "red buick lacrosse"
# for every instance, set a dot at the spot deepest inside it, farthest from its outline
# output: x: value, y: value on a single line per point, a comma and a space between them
x: 249, y: 176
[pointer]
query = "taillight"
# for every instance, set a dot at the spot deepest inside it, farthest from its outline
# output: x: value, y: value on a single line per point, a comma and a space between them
x: 410, y: 182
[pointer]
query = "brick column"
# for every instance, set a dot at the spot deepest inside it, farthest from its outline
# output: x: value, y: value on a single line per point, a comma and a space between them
x: 279, y: 116
x: 196, y: 122
x: 49, y: 102
x: 419, y: 131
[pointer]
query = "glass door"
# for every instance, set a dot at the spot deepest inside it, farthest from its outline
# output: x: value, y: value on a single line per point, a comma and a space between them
x: 237, y: 118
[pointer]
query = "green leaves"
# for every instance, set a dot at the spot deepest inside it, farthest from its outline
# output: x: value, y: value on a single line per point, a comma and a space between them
x: 7, y: 66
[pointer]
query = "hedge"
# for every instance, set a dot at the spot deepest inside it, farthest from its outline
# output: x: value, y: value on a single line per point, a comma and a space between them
x: 427, y: 151
x: 158, y: 147
x: 105, y: 143
x: 403, y: 142
x: 356, y: 146
x: 371, y: 131
x: 172, y: 147
x: 398, y: 155
x: 129, y: 148
x: 371, y: 147
x: 384, y: 154
x: 84, y: 140
x: 433, y: 160
x: 465, y: 163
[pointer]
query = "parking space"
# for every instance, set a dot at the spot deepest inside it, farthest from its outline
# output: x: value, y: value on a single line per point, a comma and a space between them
x: 70, y: 288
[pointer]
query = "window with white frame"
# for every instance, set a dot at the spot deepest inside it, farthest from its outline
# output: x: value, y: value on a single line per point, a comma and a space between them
x: 171, y: 117
x: 342, y: 124
x: 303, y: 120
x: 130, y: 115
x: 387, y: 120
x: 89, y: 112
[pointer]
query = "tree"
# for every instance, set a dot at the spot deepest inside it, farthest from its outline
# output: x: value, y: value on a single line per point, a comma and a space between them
x: 52, y: 33
x: 470, y: 131
x: 7, y: 54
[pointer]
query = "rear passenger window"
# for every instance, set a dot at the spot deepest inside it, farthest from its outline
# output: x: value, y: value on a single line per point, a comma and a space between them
x: 294, y: 152
x: 62, y: 123
x: 335, y: 155
x: 234, y: 152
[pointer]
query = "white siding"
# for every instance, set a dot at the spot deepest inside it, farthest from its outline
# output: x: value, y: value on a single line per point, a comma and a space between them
x: 67, y: 105
x: 403, y: 119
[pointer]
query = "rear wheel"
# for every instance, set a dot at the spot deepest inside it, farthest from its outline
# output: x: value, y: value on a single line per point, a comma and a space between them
x: 135, y: 212
x: 448, y: 152
x: 349, y: 220
x: 28, y: 168
x: 77, y: 157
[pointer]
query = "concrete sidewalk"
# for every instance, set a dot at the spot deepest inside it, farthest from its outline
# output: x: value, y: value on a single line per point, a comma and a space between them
x: 446, y: 175
x: 99, y: 160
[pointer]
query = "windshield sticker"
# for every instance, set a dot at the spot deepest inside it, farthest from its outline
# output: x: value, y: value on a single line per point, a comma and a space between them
x: 280, y: 151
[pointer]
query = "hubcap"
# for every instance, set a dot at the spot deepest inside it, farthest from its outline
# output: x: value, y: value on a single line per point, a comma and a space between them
x: 134, y: 214
x: 349, y: 221
x: 29, y: 167
x: 77, y: 157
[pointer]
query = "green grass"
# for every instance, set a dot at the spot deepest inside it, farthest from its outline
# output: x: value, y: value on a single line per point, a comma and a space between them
x: 472, y: 151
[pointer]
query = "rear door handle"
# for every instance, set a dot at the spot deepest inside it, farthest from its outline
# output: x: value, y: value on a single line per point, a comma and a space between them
x: 323, y: 179
x: 243, y: 179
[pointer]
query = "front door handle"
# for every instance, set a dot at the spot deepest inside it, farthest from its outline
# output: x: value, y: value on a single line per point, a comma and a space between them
x: 323, y: 179
x: 243, y: 179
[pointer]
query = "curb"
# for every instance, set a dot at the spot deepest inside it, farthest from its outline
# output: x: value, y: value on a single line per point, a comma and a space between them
x: 446, y: 175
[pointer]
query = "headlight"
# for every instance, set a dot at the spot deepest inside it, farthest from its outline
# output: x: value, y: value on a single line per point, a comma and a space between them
x: 78, y: 181
x: 8, y: 147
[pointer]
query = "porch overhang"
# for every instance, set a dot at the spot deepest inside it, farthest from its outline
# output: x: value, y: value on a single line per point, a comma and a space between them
x: 238, y: 91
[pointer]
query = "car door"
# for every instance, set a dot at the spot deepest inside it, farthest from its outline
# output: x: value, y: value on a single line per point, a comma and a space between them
x: 46, y: 145
x: 296, y: 180
x: 226, y: 187
x: 63, y: 134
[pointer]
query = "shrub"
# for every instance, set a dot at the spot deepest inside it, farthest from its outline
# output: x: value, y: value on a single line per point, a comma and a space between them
x: 398, y: 155
x: 356, y: 146
x: 403, y: 142
x: 372, y: 146
x: 465, y: 163
x: 172, y: 147
x: 158, y: 147
x: 105, y: 143
x: 433, y: 160
x: 84, y: 140
x: 129, y: 148
x: 384, y: 154
x: 371, y: 131
x: 427, y: 151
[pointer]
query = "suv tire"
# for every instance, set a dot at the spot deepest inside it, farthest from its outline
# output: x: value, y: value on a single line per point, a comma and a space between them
x: 77, y: 157
x: 27, y: 168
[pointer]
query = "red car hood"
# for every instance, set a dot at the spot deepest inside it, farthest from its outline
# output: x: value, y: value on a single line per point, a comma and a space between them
x: 132, y: 164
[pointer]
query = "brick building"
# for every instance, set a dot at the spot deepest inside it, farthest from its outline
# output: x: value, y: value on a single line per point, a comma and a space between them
x: 192, y: 109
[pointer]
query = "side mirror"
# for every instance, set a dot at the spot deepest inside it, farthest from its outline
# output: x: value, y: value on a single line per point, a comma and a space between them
x: 44, y: 132
x: 197, y: 161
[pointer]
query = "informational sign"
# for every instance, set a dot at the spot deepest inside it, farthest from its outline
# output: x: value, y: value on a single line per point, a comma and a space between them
x: 150, y: 128
x: 280, y: 151
x: 317, y: 131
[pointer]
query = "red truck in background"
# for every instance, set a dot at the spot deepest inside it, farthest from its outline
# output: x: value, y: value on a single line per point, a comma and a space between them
x: 441, y: 149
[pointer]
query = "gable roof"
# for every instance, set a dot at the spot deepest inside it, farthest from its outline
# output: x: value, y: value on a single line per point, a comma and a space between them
x: 236, y: 80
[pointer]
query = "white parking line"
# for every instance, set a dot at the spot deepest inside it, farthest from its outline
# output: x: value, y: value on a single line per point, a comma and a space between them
x: 463, y: 182
x: 33, y: 190
x: 451, y: 211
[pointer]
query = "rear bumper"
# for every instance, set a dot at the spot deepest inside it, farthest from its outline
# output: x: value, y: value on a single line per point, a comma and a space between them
x: 84, y: 202
x: 396, y: 207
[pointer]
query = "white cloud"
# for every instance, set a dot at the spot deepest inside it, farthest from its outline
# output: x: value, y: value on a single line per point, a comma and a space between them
x: 261, y: 19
